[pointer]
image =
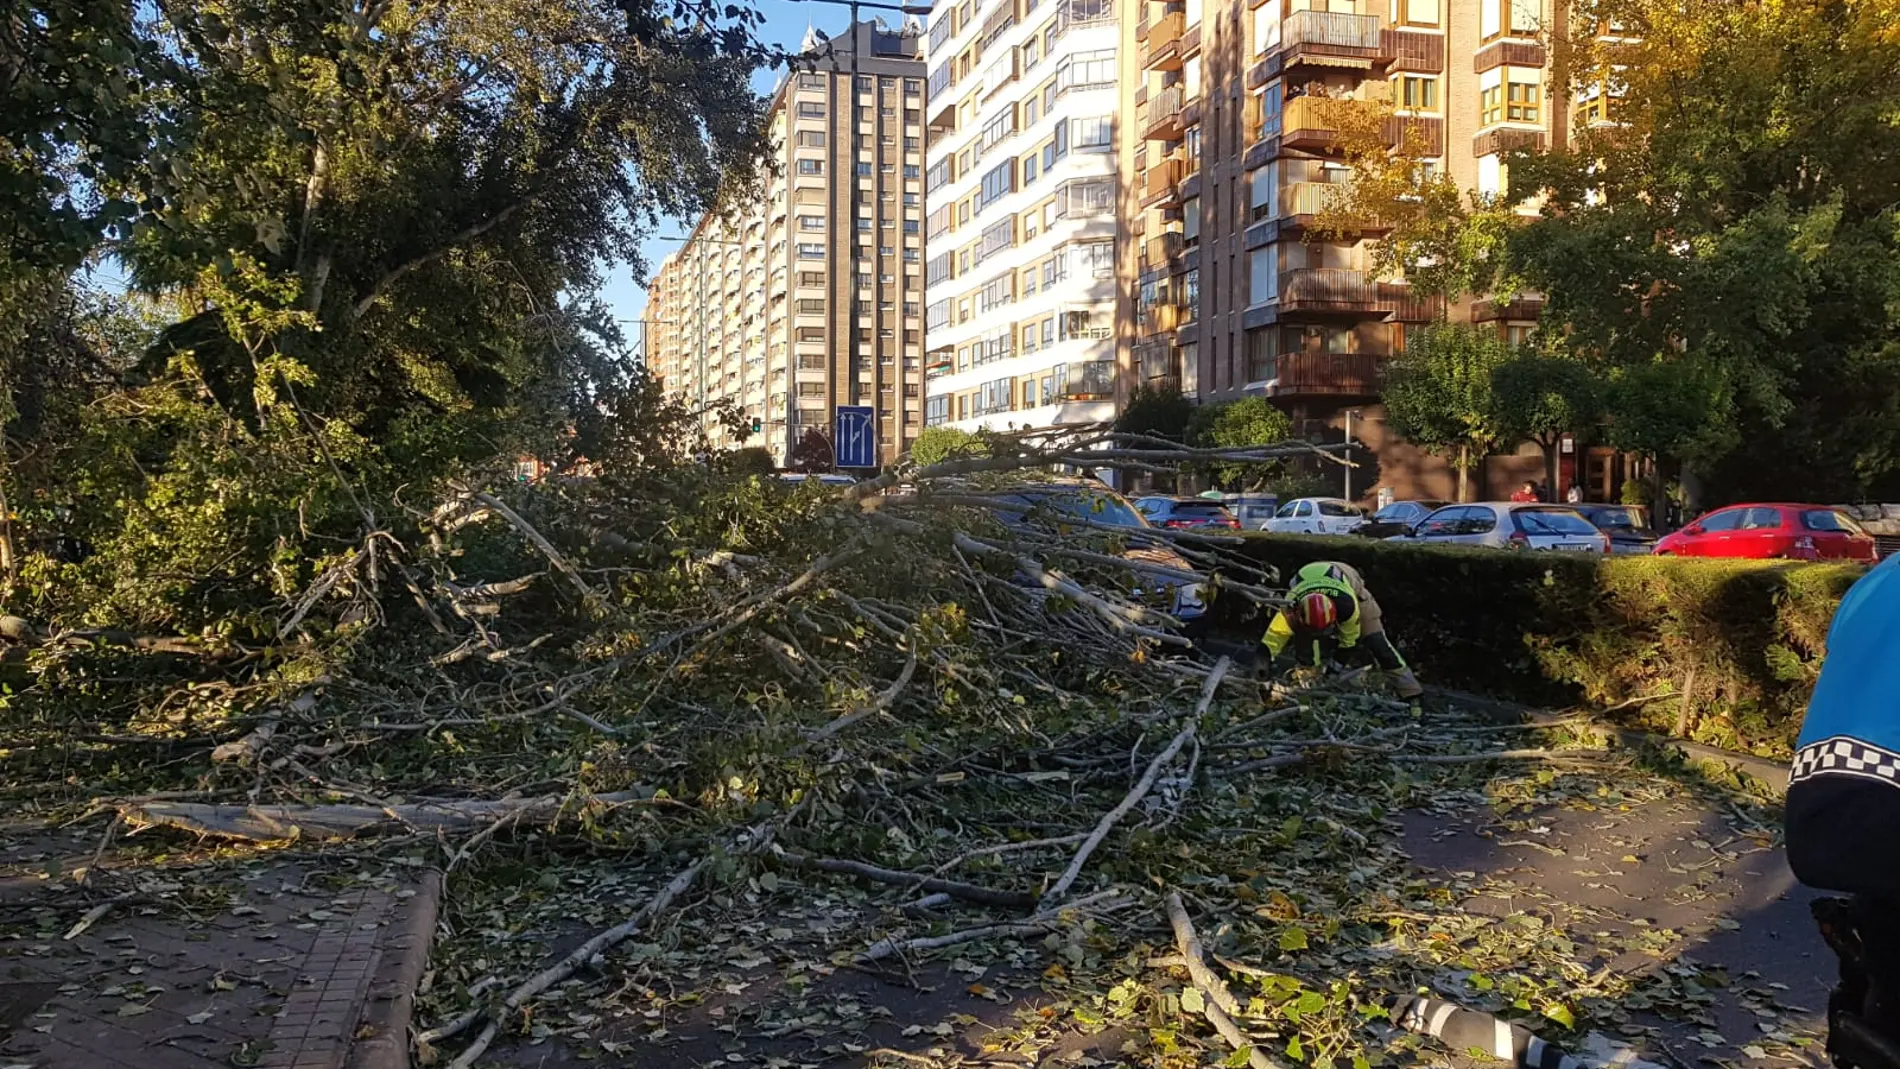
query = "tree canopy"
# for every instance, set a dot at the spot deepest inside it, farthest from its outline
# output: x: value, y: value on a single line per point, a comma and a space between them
x: 1439, y: 394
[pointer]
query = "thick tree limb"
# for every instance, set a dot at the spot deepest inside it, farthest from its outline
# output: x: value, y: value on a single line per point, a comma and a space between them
x: 878, y: 706
x: 541, y: 543
x: 968, y: 892
x: 1140, y: 789
x: 1043, y: 921
x: 1217, y: 1003
x: 455, y: 241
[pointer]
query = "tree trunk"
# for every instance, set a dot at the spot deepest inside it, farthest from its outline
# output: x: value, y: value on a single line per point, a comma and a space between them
x: 1464, y: 472
x: 1550, y: 469
x: 7, y: 560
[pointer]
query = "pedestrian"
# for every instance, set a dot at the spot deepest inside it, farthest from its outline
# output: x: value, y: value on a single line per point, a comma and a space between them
x: 1574, y: 495
x: 1526, y: 493
x: 1330, y: 612
x: 1543, y: 492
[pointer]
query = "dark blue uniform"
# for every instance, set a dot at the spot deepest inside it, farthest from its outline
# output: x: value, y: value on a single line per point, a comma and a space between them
x: 1843, y: 812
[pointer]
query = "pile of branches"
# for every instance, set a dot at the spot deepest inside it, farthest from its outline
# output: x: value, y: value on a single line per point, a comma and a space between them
x: 743, y: 676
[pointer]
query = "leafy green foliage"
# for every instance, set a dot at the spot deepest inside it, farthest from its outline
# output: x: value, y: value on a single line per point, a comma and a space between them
x: 1249, y: 421
x: 1736, y: 218
x: 1162, y: 412
x: 812, y: 454
x: 1439, y: 393
x: 935, y: 445
x: 1542, y: 396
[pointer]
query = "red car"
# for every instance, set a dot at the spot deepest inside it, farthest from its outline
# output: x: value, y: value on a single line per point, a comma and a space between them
x: 1767, y: 532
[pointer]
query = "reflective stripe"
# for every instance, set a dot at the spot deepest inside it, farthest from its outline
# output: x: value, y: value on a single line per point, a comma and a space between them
x: 1501, y: 1045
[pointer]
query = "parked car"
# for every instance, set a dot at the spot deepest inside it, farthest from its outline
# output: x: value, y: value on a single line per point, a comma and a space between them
x: 1252, y: 510
x: 1185, y: 512
x: 1317, y: 515
x: 1398, y: 518
x: 1627, y: 526
x: 1075, y: 507
x: 828, y: 478
x: 1511, y: 525
x: 1765, y: 532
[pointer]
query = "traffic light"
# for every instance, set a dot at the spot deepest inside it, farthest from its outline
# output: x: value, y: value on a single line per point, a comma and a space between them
x: 757, y: 424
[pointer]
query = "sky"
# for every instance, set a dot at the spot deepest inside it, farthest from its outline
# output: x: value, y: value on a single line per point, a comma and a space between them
x: 785, y: 24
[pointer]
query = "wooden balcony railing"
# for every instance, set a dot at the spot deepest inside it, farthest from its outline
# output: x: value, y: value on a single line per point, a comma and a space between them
x: 1164, y: 176
x: 1164, y: 115
x: 1304, y: 124
x: 1162, y: 248
x: 1162, y: 318
x: 1163, y: 44
x: 1330, y: 33
x: 1342, y: 290
x: 1326, y: 374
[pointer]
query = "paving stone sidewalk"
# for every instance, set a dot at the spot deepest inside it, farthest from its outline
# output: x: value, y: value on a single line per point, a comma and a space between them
x: 295, y: 962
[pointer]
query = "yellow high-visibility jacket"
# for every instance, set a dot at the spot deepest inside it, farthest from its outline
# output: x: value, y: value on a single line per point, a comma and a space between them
x: 1358, y: 613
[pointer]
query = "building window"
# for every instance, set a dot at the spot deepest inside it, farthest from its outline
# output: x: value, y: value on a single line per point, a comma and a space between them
x: 811, y: 222
x: 811, y: 167
x: 1491, y: 106
x: 1030, y: 173
x: 811, y: 81
x: 913, y: 87
x: 911, y: 170
x: 1518, y: 18
x: 811, y: 252
x: 864, y: 169
x: 811, y: 139
x: 1263, y: 277
x: 998, y: 182
x: 1417, y: 93
x: 811, y: 109
x: 1415, y: 12
x: 1093, y: 134
x: 1523, y: 101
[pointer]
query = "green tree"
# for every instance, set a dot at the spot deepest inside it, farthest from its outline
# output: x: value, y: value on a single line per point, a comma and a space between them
x: 812, y: 454
x: 934, y: 445
x: 1161, y: 412
x: 1542, y: 396
x: 1438, y: 394
x: 1738, y: 214
x: 1249, y: 421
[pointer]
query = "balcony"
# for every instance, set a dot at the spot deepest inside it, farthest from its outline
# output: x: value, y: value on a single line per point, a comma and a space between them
x: 1325, y: 375
x: 1162, y: 249
x: 1520, y: 306
x: 1304, y: 125
x: 1508, y: 54
x: 1161, y: 51
x: 1319, y: 36
x: 1160, y: 187
x: 1164, y: 116
x: 1158, y: 361
x: 1330, y: 290
x: 1163, y: 318
x: 1412, y: 52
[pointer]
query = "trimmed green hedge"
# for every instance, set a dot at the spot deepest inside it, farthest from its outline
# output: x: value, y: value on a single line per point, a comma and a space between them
x: 1742, y: 639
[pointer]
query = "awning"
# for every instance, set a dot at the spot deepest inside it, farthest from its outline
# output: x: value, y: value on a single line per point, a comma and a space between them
x: 1311, y: 60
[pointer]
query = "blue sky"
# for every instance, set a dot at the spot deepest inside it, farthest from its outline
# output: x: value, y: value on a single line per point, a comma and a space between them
x: 785, y: 23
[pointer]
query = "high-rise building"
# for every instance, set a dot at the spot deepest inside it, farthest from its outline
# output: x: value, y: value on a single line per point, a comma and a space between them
x: 1020, y: 288
x: 810, y: 296
x: 1230, y: 160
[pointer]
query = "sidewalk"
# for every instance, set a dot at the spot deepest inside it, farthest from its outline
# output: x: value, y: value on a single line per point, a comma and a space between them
x: 302, y: 962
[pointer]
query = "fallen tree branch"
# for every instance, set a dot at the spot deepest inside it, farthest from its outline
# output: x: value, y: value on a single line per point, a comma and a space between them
x: 1499, y: 755
x: 882, y: 703
x: 1217, y: 1003
x: 1138, y: 791
x: 540, y: 541
x: 1042, y: 921
x: 752, y: 840
x: 969, y: 892
x: 255, y: 741
x: 274, y: 823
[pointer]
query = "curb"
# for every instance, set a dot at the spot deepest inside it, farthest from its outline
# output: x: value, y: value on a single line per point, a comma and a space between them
x: 1768, y: 775
x: 382, y: 1035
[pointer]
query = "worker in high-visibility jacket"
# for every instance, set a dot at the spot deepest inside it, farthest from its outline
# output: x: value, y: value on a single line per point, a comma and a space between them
x: 1331, y: 613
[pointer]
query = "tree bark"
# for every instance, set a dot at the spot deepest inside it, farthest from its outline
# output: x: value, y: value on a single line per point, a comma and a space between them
x: 1464, y: 472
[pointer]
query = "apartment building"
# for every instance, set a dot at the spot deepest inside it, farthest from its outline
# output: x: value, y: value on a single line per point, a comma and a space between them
x: 1231, y: 159
x: 1023, y: 195
x: 811, y: 296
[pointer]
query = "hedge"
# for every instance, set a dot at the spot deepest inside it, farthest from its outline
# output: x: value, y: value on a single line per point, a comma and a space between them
x: 1743, y: 640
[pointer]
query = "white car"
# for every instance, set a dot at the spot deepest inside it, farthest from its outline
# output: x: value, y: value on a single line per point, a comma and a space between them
x: 1316, y: 515
x: 1510, y: 525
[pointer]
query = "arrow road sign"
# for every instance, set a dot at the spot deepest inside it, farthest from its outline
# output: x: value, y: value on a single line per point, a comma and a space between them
x: 856, y: 437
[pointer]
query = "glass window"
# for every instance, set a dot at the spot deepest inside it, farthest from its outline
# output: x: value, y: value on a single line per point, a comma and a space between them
x: 1523, y: 102
x: 1759, y: 519
x: 1552, y: 522
x: 1725, y: 520
x: 1418, y: 93
x: 1263, y: 279
x: 1829, y: 520
x: 811, y: 167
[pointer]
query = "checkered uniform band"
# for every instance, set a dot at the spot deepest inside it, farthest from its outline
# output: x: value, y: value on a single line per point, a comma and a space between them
x: 1842, y: 756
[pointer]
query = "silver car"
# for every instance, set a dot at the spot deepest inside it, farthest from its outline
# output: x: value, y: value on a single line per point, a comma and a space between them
x: 1510, y: 525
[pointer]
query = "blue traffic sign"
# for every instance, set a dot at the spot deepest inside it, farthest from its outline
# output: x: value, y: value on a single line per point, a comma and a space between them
x: 856, y: 437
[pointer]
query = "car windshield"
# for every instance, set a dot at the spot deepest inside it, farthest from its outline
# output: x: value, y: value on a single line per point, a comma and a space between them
x: 1619, y: 518
x: 1095, y: 508
x: 1200, y: 508
x: 1552, y: 522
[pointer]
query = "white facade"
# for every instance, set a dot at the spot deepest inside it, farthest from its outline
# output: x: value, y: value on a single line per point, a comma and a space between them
x: 1020, y: 187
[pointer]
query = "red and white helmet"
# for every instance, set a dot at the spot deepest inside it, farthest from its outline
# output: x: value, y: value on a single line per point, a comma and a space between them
x: 1316, y: 612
